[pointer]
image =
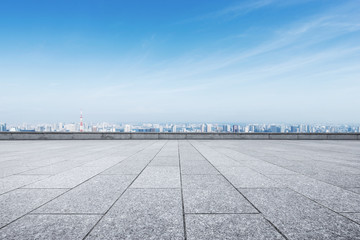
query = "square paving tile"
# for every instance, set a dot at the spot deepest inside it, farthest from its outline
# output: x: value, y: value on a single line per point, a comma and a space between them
x: 143, y: 214
x: 19, y: 202
x: 233, y: 226
x: 93, y: 196
x: 333, y: 197
x: 49, y: 227
x: 244, y: 177
x: 300, y: 218
x: 217, y: 200
x: 158, y: 177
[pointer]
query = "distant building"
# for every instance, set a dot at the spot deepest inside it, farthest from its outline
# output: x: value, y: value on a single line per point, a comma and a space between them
x: 236, y: 128
x: 173, y: 128
x: 70, y: 127
x: 275, y: 129
x: 127, y: 128
x: 294, y: 129
x: 226, y: 128
x: 202, y: 128
x: 208, y: 127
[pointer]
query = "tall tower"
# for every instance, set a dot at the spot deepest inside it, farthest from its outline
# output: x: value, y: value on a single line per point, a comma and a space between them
x: 81, y: 122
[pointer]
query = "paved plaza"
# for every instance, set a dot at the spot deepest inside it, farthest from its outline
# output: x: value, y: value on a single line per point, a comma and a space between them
x: 180, y: 189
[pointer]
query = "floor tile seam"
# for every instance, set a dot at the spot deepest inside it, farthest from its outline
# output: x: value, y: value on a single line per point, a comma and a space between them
x: 111, y: 174
x: 138, y: 151
x: 221, y: 213
x: 24, y: 186
x: 319, y: 141
x: 314, y: 200
x: 56, y: 197
x: 320, y: 204
x: 295, y: 174
x: 19, y: 173
x: 134, y: 155
x: 93, y: 227
x: 227, y: 179
x: 60, y: 162
x: 44, y: 188
x: 278, y: 230
x: 260, y: 160
x: 199, y: 174
x: 348, y: 212
x: 182, y: 193
x: 154, y: 188
x: 64, y: 214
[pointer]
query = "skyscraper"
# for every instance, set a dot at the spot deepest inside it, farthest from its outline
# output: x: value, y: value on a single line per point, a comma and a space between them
x: 235, y: 128
x: 208, y: 127
x: 202, y: 128
x: 226, y: 128
x: 81, y: 122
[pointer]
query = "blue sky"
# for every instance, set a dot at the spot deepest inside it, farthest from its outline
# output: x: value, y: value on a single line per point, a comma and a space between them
x: 181, y: 61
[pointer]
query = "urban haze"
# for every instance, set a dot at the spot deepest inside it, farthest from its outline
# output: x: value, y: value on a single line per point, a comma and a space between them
x: 181, y: 120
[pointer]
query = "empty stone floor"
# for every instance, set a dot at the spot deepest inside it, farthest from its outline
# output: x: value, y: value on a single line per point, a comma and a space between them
x: 159, y: 189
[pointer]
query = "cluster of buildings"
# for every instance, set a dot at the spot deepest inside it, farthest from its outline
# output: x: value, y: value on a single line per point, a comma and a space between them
x: 181, y: 127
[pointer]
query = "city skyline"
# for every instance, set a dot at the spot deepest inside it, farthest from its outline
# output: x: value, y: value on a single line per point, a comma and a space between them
x: 204, y: 61
x: 82, y: 126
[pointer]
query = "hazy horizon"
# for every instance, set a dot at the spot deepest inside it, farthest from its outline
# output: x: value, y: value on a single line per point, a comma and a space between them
x: 262, y: 61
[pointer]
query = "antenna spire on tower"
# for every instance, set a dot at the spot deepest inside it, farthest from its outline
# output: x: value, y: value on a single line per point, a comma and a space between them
x: 81, y: 122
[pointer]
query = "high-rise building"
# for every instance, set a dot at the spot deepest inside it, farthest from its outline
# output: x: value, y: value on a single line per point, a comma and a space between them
x: 208, y: 127
x: 81, y: 122
x: 226, y: 128
x: 173, y: 128
x: 294, y: 129
x: 202, y: 128
x: 3, y: 127
x: 275, y: 129
x: 235, y: 128
x: 127, y: 128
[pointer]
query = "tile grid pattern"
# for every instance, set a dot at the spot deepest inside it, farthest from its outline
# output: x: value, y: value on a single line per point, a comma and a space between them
x: 197, y: 189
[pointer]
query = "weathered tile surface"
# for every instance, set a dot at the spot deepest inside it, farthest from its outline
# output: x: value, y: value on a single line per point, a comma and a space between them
x: 143, y: 214
x: 196, y: 189
x: 94, y: 196
x: 19, y: 202
x: 49, y: 227
x: 158, y: 177
x: 300, y: 218
x: 235, y: 226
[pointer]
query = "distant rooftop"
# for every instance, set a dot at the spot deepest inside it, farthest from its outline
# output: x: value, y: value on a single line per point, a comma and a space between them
x: 181, y: 189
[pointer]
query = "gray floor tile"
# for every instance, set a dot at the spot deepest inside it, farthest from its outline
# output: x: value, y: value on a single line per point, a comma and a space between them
x: 158, y: 177
x: 16, y: 203
x: 203, y: 169
x: 215, y: 200
x: 68, y: 179
x: 16, y: 181
x: 94, y: 196
x: 165, y: 161
x: 300, y: 218
x: 355, y: 190
x: 143, y: 214
x: 353, y: 216
x: 339, y: 179
x: 54, y: 168
x: 335, y: 198
x: 225, y: 226
x: 49, y: 227
x: 244, y: 177
x: 205, y: 182
x: 125, y: 168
